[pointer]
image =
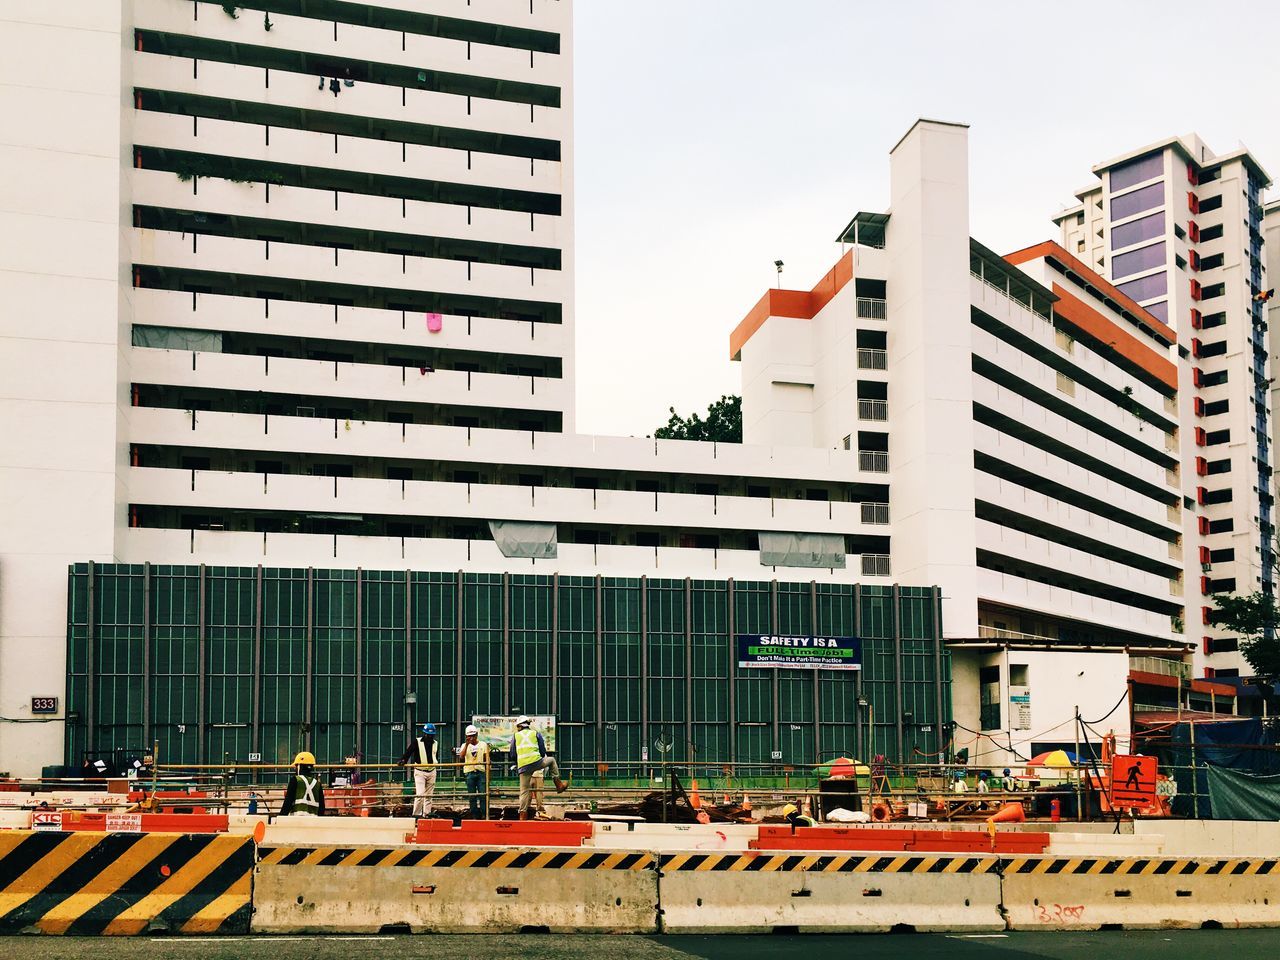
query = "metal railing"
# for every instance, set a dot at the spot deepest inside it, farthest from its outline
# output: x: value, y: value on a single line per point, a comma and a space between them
x: 872, y: 358
x: 875, y: 513
x: 1162, y: 667
x: 875, y: 565
x: 872, y: 308
x: 873, y: 409
x: 987, y: 632
x: 873, y: 461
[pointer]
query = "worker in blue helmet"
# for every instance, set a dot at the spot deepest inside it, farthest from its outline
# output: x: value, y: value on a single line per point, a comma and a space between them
x: 423, y: 755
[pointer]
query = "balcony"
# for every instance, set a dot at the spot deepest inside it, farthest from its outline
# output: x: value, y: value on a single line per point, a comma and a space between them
x: 870, y: 358
x: 988, y: 632
x: 871, y: 308
x: 873, y: 410
x: 1161, y: 667
x: 873, y: 461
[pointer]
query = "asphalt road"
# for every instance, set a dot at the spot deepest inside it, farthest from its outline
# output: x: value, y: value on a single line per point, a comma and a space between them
x: 1127, y: 945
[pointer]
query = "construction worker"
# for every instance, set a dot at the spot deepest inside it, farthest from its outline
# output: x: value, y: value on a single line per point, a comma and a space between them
x: 303, y: 797
x: 530, y: 753
x: 475, y: 768
x: 424, y: 754
x: 796, y: 818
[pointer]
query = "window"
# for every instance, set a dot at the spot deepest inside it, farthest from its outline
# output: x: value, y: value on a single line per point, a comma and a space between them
x: 1137, y: 201
x: 1217, y: 496
x: 1213, y: 290
x: 1146, y: 288
x: 1136, y: 261
x: 1225, y: 646
x: 989, y: 696
x: 1136, y: 231
x: 1214, y: 437
x: 1218, y: 466
x: 1210, y: 233
x: 1222, y: 556
x: 1018, y: 675
x: 399, y: 473
x: 1213, y: 379
x: 1222, y: 526
x: 1212, y: 349
x: 1210, y: 203
x: 1066, y: 385
x: 1223, y: 585
x: 1213, y: 320
x: 1216, y: 407
x: 1213, y: 262
x: 1136, y: 171
x: 1159, y: 310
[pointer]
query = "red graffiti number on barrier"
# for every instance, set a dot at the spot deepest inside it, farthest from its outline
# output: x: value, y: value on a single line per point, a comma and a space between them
x: 1057, y: 913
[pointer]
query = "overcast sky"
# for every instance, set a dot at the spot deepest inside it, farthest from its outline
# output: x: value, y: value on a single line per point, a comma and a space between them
x: 716, y: 136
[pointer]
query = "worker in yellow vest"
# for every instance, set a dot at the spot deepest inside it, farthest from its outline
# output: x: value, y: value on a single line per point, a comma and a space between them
x: 530, y: 752
x: 423, y: 754
x: 303, y: 796
x: 474, y: 755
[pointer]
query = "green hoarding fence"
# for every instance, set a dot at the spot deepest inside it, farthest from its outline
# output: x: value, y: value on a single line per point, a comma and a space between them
x: 218, y: 663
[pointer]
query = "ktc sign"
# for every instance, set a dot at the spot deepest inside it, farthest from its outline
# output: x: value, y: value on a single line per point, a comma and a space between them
x: 799, y: 652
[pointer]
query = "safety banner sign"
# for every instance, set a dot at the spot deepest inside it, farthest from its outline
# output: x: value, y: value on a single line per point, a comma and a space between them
x: 498, y: 731
x: 799, y: 652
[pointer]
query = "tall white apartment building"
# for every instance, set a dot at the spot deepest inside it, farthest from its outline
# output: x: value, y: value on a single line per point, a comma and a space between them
x: 290, y: 285
x: 1027, y: 413
x: 1179, y: 229
x: 1271, y: 303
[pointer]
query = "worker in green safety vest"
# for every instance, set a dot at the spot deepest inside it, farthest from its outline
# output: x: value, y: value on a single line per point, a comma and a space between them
x: 303, y: 796
x: 796, y: 818
x: 530, y: 752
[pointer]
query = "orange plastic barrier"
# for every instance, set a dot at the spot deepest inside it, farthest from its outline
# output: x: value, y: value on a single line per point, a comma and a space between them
x: 79, y: 820
x: 533, y: 833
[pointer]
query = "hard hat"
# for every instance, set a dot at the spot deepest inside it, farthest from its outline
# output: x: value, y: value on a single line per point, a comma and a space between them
x: 471, y: 731
x: 304, y: 757
x: 522, y: 721
x: 429, y: 728
x: 789, y: 809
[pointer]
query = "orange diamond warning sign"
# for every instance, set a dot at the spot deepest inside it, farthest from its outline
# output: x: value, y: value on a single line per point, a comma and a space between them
x: 1133, y: 781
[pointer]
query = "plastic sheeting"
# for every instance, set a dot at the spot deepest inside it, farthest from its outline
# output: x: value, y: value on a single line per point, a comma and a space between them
x: 801, y: 549
x: 174, y: 338
x: 1239, y: 796
x: 525, y: 539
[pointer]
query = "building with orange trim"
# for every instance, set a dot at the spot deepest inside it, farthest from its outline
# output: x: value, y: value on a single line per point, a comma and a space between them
x: 1179, y: 229
x: 1024, y: 413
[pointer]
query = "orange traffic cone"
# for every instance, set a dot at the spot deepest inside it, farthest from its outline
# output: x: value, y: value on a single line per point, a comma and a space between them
x: 1009, y: 813
x: 746, y: 802
x: 695, y: 800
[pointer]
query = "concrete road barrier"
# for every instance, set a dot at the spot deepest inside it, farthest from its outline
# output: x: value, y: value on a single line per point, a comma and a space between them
x: 761, y: 892
x: 87, y: 884
x: 1082, y: 893
x: 674, y: 836
x: 314, y: 831
x: 435, y: 890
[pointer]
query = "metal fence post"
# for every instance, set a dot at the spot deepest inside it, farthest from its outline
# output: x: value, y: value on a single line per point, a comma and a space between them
x: 202, y: 666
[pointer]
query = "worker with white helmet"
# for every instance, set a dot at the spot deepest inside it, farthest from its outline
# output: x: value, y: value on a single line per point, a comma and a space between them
x: 474, y: 755
x: 530, y: 753
x: 423, y: 754
x: 303, y: 797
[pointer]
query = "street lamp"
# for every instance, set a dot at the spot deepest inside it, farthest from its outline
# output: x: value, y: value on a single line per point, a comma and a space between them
x: 778, y: 264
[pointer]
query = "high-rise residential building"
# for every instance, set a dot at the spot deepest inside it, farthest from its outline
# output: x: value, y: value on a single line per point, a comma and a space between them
x: 1271, y: 300
x: 288, y: 287
x: 1026, y: 411
x: 1179, y: 229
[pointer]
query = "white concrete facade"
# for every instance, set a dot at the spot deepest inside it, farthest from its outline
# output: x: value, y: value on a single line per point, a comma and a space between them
x: 1180, y: 229
x: 222, y: 279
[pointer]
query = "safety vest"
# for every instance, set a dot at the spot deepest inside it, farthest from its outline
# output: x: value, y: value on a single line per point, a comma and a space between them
x: 422, y: 752
x: 527, y: 751
x: 306, y: 801
x: 475, y: 755
x: 803, y: 821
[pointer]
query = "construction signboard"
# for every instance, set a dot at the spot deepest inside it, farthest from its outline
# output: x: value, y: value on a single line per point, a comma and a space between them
x: 1133, y: 781
x: 497, y: 731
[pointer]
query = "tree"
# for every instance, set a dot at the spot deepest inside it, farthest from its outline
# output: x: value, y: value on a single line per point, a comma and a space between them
x: 723, y: 423
x: 1256, y: 618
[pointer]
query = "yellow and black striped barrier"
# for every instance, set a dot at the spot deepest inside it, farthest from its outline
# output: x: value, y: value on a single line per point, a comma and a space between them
x: 336, y: 856
x: 90, y: 884
x: 772, y: 862
x: 1137, y: 866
